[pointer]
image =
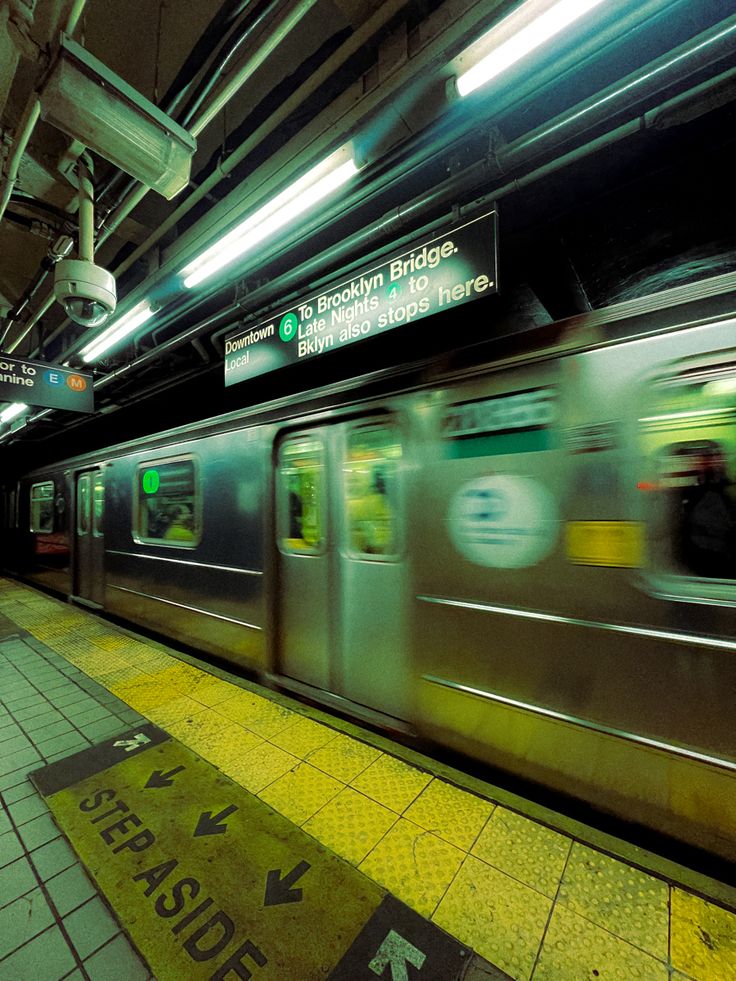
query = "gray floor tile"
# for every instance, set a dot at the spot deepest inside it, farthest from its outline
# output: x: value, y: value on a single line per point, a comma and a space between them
x: 32, y: 711
x: 55, y: 744
x: 38, y: 831
x: 9, y: 731
x: 23, y: 919
x: 69, y: 751
x: 72, y: 698
x: 39, y: 721
x: 14, y: 745
x: 70, y: 889
x: 116, y: 959
x: 90, y: 926
x: 24, y: 789
x: 99, y: 731
x: 5, y: 824
x: 52, y: 730
x: 23, y: 700
x: 27, y: 809
x: 53, y: 858
x: 93, y: 714
x: 16, y: 879
x: 11, y: 848
x: 16, y: 761
x: 46, y: 958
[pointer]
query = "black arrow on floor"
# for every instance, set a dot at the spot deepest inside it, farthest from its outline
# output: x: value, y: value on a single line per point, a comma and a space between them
x: 279, y: 890
x: 208, y: 825
x: 160, y: 779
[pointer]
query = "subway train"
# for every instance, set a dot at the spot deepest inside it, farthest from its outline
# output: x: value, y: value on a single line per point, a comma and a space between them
x: 525, y: 553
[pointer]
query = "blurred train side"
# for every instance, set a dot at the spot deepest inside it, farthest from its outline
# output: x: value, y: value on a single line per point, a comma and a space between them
x: 609, y: 678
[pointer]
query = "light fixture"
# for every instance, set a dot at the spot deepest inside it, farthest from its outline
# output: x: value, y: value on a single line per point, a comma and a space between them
x: 12, y: 411
x: 525, y: 29
x: 118, y: 330
x: 90, y: 103
x: 294, y: 200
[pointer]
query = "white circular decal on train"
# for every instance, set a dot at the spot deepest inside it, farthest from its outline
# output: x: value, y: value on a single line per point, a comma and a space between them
x: 503, y: 521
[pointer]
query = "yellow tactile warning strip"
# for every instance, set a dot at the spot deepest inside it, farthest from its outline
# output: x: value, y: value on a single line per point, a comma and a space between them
x: 533, y: 901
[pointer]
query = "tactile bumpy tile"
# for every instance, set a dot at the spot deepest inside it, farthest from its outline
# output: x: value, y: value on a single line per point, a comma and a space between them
x: 574, y: 948
x: 204, y: 731
x: 703, y: 940
x: 174, y: 710
x: 260, y: 767
x: 257, y: 714
x: 350, y: 825
x: 344, y: 758
x: 497, y: 916
x: 391, y: 782
x: 524, y: 849
x: 623, y: 900
x: 450, y: 813
x: 415, y: 865
x: 303, y: 737
x: 301, y: 792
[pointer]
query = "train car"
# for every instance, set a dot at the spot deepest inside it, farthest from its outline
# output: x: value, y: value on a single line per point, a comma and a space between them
x: 528, y: 555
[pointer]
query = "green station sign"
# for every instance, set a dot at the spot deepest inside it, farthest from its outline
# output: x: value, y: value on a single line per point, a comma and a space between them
x: 39, y: 383
x: 434, y: 275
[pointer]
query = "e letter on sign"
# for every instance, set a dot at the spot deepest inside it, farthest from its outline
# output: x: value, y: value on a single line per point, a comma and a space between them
x: 38, y: 383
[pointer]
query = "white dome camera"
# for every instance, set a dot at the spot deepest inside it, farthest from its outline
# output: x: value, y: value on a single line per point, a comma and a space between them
x: 86, y: 291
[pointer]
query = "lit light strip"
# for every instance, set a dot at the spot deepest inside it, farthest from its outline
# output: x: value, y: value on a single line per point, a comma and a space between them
x: 688, y: 415
x: 117, y: 331
x: 293, y: 201
x: 13, y: 411
x: 507, y: 50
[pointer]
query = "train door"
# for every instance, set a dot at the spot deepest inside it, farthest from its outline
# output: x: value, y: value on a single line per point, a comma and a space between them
x: 89, y: 562
x: 342, y: 584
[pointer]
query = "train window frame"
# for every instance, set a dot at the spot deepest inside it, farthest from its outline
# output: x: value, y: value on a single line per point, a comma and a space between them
x: 150, y: 464
x: 32, y: 524
x: 386, y: 423
x: 98, y: 530
x: 667, y: 498
x: 83, y: 513
x: 287, y: 544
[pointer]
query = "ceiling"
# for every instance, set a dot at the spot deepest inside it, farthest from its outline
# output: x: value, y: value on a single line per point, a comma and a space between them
x: 610, y: 152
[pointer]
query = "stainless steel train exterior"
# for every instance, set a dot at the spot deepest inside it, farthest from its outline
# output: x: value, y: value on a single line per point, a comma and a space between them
x: 511, y: 558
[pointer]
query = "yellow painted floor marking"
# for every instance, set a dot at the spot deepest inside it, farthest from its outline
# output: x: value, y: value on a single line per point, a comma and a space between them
x: 141, y: 694
x: 416, y: 866
x: 257, y: 714
x: 626, y: 902
x: 157, y: 872
x: 259, y: 767
x: 174, y: 710
x: 301, y: 792
x: 351, y: 824
x: 450, y: 813
x: 703, y: 938
x: 524, y: 849
x: 391, y: 782
x: 499, y: 917
x: 239, y: 742
x: 575, y: 948
x: 344, y: 758
x: 305, y: 736
x: 205, y: 732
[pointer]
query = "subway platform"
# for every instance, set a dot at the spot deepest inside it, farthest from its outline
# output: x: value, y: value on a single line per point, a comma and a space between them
x: 163, y: 820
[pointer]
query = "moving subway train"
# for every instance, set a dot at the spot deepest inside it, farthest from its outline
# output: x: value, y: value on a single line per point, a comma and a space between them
x: 532, y: 560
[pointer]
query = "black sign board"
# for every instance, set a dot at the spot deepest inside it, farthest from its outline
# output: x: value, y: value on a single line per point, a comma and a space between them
x: 432, y: 276
x: 38, y: 383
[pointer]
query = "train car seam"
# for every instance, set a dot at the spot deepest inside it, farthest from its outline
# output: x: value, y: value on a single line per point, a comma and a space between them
x: 184, y: 606
x: 199, y: 565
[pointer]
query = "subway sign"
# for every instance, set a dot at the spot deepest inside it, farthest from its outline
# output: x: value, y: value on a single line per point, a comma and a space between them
x: 38, y: 383
x: 434, y: 275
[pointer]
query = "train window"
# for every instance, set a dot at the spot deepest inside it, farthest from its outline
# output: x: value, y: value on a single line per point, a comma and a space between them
x: 98, y: 504
x: 83, y: 495
x: 301, y: 496
x: 42, y: 507
x: 370, y: 473
x: 691, y: 439
x: 168, y: 503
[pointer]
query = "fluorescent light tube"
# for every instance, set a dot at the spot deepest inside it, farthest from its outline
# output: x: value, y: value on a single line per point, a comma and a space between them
x: 525, y: 29
x: 119, y: 329
x: 13, y: 411
x: 294, y: 200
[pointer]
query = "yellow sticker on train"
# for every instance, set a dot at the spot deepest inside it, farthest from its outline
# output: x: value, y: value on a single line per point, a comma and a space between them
x: 607, y: 543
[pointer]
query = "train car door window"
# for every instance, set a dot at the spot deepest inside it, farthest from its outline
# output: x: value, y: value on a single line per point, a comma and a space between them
x: 42, y: 507
x: 98, y: 504
x: 83, y: 504
x: 301, y: 505
x: 370, y: 477
x: 169, y: 503
x: 690, y: 438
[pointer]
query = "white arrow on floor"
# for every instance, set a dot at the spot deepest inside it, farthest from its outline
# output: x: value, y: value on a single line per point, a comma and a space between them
x: 139, y: 739
x: 397, y: 952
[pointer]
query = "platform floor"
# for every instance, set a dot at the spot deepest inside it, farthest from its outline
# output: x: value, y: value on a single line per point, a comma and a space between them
x: 544, y: 900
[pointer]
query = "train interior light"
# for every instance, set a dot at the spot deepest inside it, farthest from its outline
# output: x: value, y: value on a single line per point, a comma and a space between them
x: 118, y: 330
x: 318, y: 183
x: 527, y: 28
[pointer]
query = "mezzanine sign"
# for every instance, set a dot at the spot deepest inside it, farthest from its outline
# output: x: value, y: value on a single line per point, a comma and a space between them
x: 38, y: 383
x: 434, y: 275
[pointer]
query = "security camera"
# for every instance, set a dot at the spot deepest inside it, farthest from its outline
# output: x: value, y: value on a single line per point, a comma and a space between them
x: 86, y: 291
